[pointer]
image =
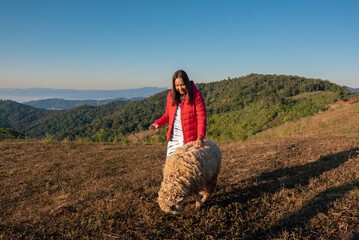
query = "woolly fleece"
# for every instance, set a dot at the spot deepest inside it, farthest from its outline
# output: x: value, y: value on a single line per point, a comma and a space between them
x: 189, y: 170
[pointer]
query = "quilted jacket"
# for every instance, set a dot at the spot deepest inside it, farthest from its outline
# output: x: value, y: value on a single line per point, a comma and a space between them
x: 193, y: 116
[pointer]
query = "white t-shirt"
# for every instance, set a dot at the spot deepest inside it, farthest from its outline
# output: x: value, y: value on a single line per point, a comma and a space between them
x: 176, y: 139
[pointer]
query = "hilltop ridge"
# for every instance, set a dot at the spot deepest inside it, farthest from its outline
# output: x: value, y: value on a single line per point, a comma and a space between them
x: 60, y: 104
x: 236, y: 109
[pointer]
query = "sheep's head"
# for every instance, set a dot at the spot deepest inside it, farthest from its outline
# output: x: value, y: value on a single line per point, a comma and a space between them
x: 170, y: 202
x: 171, y: 206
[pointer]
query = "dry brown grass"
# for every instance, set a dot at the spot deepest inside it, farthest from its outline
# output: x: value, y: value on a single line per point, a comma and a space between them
x: 343, y: 120
x: 291, y: 188
x: 305, y: 95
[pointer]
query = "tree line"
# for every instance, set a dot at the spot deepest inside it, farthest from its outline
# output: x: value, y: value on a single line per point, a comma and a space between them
x: 236, y: 108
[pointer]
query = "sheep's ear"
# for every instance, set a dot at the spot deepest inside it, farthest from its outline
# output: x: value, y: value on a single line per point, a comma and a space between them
x: 179, y: 199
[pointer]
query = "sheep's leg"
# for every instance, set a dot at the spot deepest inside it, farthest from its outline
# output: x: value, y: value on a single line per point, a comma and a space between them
x: 212, y: 183
x: 205, y: 196
x: 198, y: 201
x: 207, y: 191
x: 209, y: 187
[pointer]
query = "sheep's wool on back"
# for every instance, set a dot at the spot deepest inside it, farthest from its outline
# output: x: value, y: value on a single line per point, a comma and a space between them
x: 189, y: 170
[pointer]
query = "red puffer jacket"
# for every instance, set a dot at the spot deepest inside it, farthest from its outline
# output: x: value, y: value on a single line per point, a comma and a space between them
x: 193, y: 116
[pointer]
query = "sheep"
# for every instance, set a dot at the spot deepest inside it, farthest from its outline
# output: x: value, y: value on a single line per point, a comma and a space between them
x: 189, y: 170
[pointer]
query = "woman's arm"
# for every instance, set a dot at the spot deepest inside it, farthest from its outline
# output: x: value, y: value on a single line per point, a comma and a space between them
x: 165, y: 117
x: 201, y: 115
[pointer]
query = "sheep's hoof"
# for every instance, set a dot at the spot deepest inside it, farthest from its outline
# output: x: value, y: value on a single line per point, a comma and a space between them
x: 204, y: 199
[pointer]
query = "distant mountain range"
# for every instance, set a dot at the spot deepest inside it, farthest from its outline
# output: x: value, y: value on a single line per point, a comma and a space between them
x: 353, y: 89
x: 32, y: 94
x: 60, y: 104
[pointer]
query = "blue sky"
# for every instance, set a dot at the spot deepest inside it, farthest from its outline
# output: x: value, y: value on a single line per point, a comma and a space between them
x: 130, y: 44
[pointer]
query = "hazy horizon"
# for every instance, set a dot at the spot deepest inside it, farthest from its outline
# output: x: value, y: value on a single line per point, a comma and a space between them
x: 29, y: 94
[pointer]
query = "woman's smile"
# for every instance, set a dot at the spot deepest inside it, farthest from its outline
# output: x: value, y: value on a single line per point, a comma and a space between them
x: 180, y: 86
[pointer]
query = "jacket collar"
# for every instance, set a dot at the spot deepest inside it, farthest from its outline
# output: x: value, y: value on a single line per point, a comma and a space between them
x: 194, y: 88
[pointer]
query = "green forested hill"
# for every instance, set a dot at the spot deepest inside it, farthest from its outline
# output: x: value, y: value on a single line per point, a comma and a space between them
x: 236, y: 108
x: 36, y: 123
x: 18, y: 116
x: 60, y: 104
x: 243, y: 106
x: 9, y: 134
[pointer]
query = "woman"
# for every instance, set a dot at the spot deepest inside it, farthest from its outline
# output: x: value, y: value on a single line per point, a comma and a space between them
x: 185, y: 112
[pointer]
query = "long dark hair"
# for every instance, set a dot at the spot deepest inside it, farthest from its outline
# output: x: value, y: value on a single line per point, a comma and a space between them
x: 176, y: 95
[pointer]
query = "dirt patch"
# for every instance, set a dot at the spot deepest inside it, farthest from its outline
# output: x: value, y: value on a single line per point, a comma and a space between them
x: 140, y: 136
x: 305, y: 95
x: 343, y: 103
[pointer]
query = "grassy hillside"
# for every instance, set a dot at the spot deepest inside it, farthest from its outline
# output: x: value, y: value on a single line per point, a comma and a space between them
x: 341, y: 120
x: 256, y: 117
x: 247, y: 105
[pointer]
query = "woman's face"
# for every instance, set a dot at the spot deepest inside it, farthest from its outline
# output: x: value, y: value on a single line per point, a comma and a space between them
x: 180, y: 86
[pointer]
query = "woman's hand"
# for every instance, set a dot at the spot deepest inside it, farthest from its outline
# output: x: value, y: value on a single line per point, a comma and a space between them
x: 199, y: 142
x: 153, y: 126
